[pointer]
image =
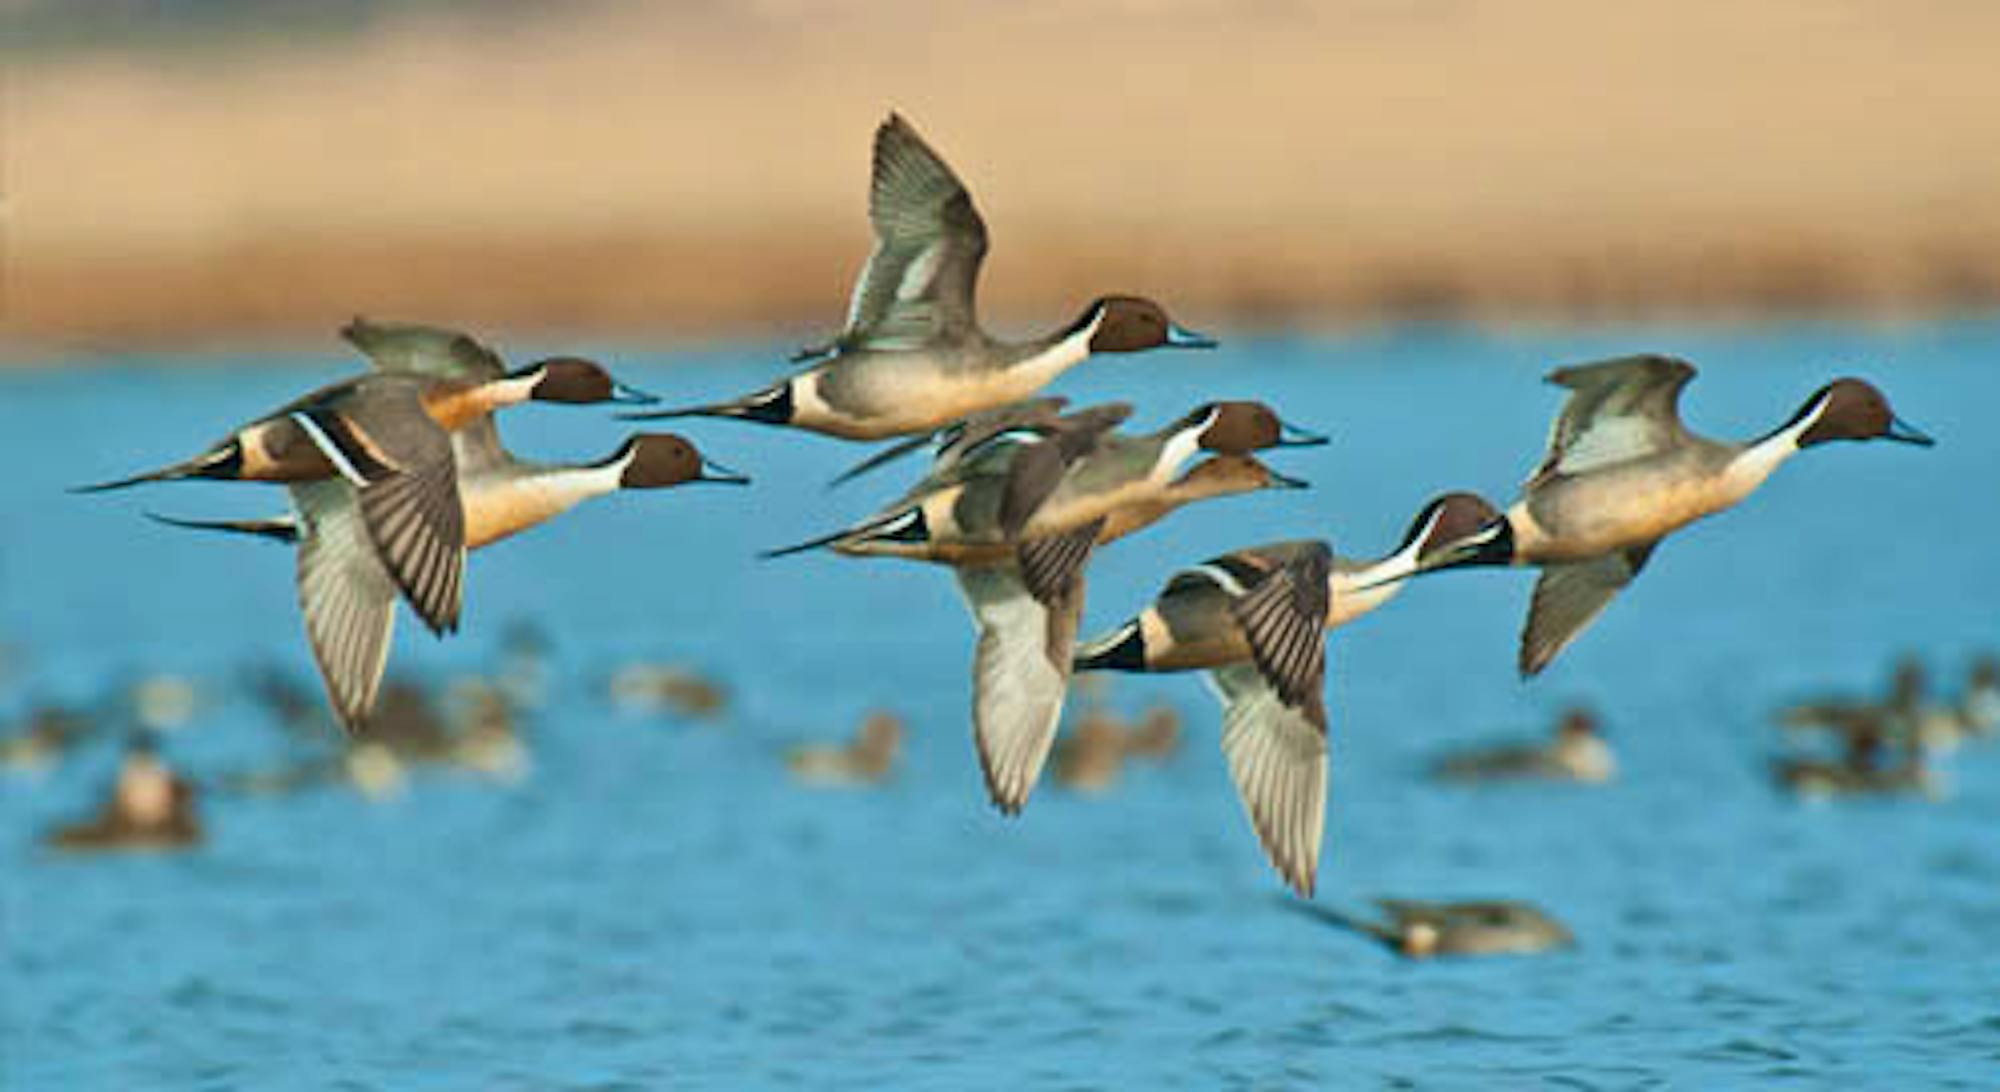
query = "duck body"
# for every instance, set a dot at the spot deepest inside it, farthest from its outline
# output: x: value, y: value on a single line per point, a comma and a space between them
x: 912, y: 357
x: 1621, y: 472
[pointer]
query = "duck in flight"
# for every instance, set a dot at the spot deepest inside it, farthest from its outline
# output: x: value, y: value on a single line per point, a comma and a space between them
x: 389, y: 436
x: 345, y: 584
x: 1256, y: 620
x: 1622, y: 472
x: 1018, y: 523
x: 913, y: 358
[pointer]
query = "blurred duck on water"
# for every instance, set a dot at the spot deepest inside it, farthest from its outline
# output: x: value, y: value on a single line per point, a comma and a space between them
x: 149, y: 808
x: 867, y: 760
x: 647, y: 689
x: 1578, y: 752
x: 1907, y: 711
x: 1863, y: 771
x: 348, y: 572
x: 1622, y: 472
x: 44, y: 737
x: 1426, y: 930
x: 913, y: 357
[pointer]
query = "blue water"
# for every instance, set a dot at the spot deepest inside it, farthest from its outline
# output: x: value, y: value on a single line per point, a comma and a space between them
x: 657, y: 905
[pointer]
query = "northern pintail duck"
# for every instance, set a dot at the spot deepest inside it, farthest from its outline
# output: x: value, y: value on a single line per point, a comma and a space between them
x: 913, y: 357
x: 1256, y: 620
x: 1862, y: 771
x: 1577, y: 753
x: 47, y: 733
x: 1091, y: 753
x: 1979, y: 706
x: 1187, y: 627
x: 1019, y: 535
x: 676, y: 688
x: 1424, y: 930
x: 1058, y: 476
x: 149, y: 808
x: 389, y: 436
x: 868, y: 759
x: 345, y: 591
x: 1622, y: 472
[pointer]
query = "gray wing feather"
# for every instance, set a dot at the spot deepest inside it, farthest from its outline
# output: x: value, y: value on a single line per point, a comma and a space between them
x: 1278, y: 760
x: 1618, y: 410
x: 1021, y: 672
x: 422, y: 350
x: 346, y: 597
x: 1569, y: 597
x: 929, y: 241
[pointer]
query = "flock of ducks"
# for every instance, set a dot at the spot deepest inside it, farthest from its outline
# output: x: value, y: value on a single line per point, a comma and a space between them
x: 396, y: 474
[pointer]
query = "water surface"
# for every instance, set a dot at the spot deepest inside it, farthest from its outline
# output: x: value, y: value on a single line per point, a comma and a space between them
x: 658, y: 905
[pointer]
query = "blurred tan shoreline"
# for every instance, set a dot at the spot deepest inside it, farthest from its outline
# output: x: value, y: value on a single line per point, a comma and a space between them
x: 699, y: 171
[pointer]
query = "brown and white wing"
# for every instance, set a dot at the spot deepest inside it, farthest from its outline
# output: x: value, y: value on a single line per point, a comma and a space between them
x: 1040, y: 463
x: 1274, y: 711
x: 346, y: 597
x: 406, y: 477
x: 929, y: 240
x: 1569, y: 597
x: 1618, y: 410
x: 1027, y: 616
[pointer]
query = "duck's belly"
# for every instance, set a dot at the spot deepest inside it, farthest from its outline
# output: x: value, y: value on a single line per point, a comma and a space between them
x: 1596, y: 514
x: 897, y: 394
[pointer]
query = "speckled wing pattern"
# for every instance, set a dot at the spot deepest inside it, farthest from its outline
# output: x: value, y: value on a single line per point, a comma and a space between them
x: 929, y: 241
x: 1618, y: 410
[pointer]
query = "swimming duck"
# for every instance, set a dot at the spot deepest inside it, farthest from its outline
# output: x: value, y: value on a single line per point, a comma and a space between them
x: 1423, y: 930
x: 1157, y: 735
x: 149, y: 808
x: 389, y: 436
x: 913, y: 358
x: 1979, y: 706
x: 868, y: 759
x: 1622, y: 472
x: 1861, y: 771
x: 1256, y: 620
x: 1089, y: 757
x: 1577, y: 753
x: 651, y: 688
x: 50, y: 732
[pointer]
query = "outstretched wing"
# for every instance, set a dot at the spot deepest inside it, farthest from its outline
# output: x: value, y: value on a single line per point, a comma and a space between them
x: 1027, y: 619
x: 1618, y: 410
x: 346, y: 597
x: 929, y: 241
x: 1569, y: 597
x: 422, y: 350
x: 437, y: 353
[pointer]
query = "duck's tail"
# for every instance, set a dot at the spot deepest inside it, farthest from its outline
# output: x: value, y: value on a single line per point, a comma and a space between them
x: 906, y: 525
x: 1123, y: 649
x: 770, y: 406
x: 884, y: 457
x: 223, y: 461
x: 283, y: 529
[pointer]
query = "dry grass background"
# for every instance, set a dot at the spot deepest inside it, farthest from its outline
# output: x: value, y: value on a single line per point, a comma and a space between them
x: 699, y: 169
